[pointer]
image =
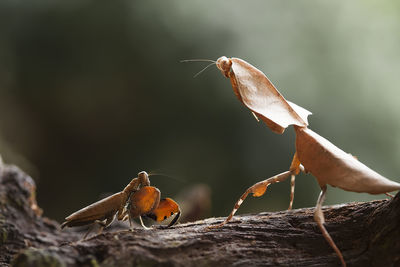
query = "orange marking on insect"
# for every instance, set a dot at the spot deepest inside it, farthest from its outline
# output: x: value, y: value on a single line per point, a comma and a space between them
x: 138, y: 195
x: 165, y: 209
x: 328, y: 163
x: 144, y: 201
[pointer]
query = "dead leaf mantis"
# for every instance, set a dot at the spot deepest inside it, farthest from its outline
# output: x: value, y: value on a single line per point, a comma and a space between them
x: 136, y: 200
x: 328, y: 163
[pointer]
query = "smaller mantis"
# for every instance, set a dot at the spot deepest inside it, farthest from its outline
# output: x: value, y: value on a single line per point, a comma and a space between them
x: 136, y: 200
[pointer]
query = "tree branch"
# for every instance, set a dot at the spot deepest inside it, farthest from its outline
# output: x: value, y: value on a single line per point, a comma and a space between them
x: 368, y: 234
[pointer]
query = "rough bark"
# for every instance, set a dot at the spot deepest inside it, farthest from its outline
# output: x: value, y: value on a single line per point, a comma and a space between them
x: 368, y: 234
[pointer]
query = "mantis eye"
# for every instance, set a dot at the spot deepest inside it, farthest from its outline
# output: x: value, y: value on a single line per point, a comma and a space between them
x: 224, y: 64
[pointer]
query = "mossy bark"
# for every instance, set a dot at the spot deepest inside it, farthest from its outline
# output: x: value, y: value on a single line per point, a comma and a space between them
x: 368, y: 234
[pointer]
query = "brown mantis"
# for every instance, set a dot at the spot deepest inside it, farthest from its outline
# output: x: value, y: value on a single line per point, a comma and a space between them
x: 314, y: 154
x: 136, y: 200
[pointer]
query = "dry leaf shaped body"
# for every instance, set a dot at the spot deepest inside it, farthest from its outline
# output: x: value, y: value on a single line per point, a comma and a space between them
x: 331, y: 165
x: 257, y: 93
x: 138, y: 194
x: 108, y: 207
x: 100, y: 210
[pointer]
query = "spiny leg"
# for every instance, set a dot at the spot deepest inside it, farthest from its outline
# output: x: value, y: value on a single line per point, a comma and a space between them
x: 319, y: 218
x: 130, y: 223
x: 89, y: 230
x: 144, y: 226
x: 122, y: 213
x: 295, y: 168
x: 292, y: 183
x: 126, y: 216
x: 103, y: 224
x: 257, y: 190
x: 292, y: 180
x: 389, y: 195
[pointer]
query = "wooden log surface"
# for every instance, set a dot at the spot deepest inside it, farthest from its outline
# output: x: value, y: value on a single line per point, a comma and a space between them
x: 368, y: 234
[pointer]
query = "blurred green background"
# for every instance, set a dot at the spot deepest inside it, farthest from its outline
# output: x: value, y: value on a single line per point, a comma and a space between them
x: 92, y: 92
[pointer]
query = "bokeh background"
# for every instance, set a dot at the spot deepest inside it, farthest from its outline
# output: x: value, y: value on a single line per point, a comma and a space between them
x: 91, y: 92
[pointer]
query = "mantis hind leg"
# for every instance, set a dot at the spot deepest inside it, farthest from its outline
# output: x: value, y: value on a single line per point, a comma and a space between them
x: 103, y: 224
x: 295, y: 168
x: 88, y: 231
x: 292, y: 183
x: 319, y: 218
x: 389, y: 195
x: 142, y: 223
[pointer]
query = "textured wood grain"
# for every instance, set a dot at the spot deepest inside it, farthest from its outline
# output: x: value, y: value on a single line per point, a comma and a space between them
x: 368, y: 234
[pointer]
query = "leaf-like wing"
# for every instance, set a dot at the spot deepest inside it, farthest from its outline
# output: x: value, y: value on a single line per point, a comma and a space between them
x: 96, y: 211
x: 258, y: 94
x: 331, y: 165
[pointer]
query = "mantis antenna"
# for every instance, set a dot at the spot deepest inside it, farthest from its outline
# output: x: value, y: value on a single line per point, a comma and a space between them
x: 199, y: 60
x: 156, y: 173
